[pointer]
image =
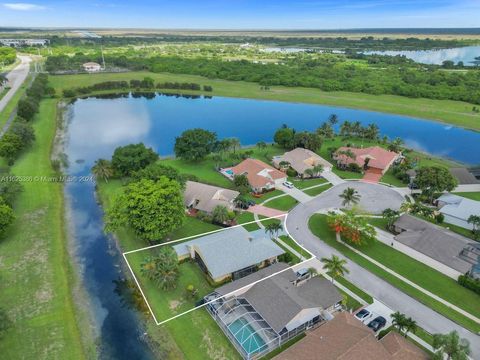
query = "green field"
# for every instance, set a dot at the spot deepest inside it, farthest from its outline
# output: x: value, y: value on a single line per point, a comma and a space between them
x: 205, y: 339
x: 12, y: 104
x: 452, y: 112
x: 431, y: 280
x: 283, y: 203
x: 35, y: 271
x: 317, y: 190
x: 305, y: 183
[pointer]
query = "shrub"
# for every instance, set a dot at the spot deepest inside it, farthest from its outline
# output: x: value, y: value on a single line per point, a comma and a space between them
x: 286, y: 258
x: 291, y: 172
x: 439, y: 218
x: 354, y: 167
x: 469, y: 283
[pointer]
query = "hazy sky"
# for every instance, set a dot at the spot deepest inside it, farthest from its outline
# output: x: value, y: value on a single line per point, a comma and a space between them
x: 242, y: 14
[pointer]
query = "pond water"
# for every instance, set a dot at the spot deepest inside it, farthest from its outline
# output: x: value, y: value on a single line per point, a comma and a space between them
x: 466, y: 54
x: 97, y: 126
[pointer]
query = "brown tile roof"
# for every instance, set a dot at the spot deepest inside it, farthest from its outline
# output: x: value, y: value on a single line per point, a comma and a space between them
x: 258, y: 173
x: 379, y: 157
x: 346, y: 338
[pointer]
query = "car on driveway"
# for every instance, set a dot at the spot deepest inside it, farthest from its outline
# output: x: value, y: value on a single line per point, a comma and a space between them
x: 362, y: 314
x: 288, y: 184
x: 377, y: 323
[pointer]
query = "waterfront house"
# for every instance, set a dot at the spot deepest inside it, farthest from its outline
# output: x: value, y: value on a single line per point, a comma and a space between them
x: 203, y: 197
x: 300, y: 160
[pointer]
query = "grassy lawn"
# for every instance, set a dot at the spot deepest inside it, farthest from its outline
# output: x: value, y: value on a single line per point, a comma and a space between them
x: 289, y: 343
x: 290, y: 242
x: 356, y: 290
x: 470, y: 195
x: 36, y: 275
x: 12, y: 104
x: 265, y: 196
x: 3, y: 92
x: 350, y: 302
x: 452, y: 112
x: 431, y: 280
x: 305, y: 183
x: 283, y: 203
x: 205, y: 339
x: 317, y: 190
x: 391, y: 179
x: 295, y: 258
x: 245, y: 217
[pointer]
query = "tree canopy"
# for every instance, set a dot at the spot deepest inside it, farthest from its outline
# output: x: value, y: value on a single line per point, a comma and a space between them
x: 434, y: 179
x: 151, y: 208
x: 195, y: 144
x: 130, y: 158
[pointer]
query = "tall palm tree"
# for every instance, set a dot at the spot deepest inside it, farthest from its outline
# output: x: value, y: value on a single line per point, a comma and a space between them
x: 335, y: 266
x: 372, y: 132
x: 102, y: 169
x: 399, y: 320
x: 390, y: 216
x: 325, y: 130
x: 475, y: 221
x: 451, y: 346
x: 333, y: 119
x: 396, y: 145
x: 350, y: 196
x: 273, y: 229
x: 309, y: 172
x: 235, y: 143
x: 317, y: 169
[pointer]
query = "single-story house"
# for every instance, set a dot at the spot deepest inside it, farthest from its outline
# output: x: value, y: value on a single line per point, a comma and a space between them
x: 301, y: 159
x: 345, y: 337
x: 263, y: 316
x: 260, y: 176
x: 378, y: 159
x: 205, y: 197
x: 457, y: 209
x: 230, y: 254
x: 434, y: 241
x: 92, y: 67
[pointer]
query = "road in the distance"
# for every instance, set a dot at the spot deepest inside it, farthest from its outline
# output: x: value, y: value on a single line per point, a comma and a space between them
x: 297, y: 225
x: 16, y: 77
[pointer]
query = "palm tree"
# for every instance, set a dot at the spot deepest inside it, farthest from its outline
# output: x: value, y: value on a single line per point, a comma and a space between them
x: 346, y: 129
x: 357, y: 128
x: 335, y: 266
x: 102, y: 169
x: 372, y: 132
x: 475, y: 221
x: 309, y: 172
x: 451, y: 346
x: 390, y: 216
x: 220, y: 214
x: 273, y: 229
x: 161, y: 269
x: 350, y: 196
x: 241, y: 202
x: 234, y: 143
x: 325, y: 130
x: 410, y: 326
x: 333, y: 119
x: 317, y: 169
x: 399, y: 320
x: 395, y: 145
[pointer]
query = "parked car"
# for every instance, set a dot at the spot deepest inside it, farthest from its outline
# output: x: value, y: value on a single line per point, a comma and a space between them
x: 377, y: 323
x: 288, y: 184
x: 362, y: 314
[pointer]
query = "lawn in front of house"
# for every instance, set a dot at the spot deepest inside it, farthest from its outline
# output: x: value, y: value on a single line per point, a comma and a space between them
x: 317, y: 190
x: 293, y: 244
x: 431, y: 280
x: 470, y: 195
x: 284, y: 203
x: 390, y: 178
x: 305, y: 183
x: 205, y: 339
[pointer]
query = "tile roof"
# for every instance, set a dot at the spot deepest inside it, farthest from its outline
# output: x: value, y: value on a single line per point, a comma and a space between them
x: 346, y: 338
x: 302, y: 159
x: 258, y: 173
x: 206, y: 197
x: 230, y: 250
x: 379, y: 157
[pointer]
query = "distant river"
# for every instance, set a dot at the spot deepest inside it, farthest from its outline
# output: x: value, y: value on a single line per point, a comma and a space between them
x: 97, y: 126
x: 466, y: 54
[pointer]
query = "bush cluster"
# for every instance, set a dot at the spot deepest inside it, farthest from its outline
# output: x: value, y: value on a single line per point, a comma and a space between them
x: 470, y: 283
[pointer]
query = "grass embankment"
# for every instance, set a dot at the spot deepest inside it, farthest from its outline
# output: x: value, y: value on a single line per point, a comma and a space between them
x: 34, y: 263
x: 447, y: 111
x: 196, y: 334
x: 12, y: 104
x: 430, y: 280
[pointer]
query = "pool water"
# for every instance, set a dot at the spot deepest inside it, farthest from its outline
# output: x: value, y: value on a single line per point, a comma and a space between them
x: 243, y: 333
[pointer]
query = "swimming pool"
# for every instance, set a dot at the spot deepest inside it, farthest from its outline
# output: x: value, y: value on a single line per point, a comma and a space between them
x: 243, y: 333
x: 228, y: 172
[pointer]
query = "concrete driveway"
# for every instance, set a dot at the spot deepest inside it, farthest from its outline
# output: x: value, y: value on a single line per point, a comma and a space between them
x: 376, y: 198
x: 265, y: 211
x: 297, y: 194
x: 16, y: 77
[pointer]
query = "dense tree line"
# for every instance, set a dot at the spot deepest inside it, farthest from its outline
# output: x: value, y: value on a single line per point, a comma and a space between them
x: 146, y: 83
x: 7, y: 55
x: 21, y: 135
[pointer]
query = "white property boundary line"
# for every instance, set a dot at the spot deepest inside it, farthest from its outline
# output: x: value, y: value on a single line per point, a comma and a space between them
x: 199, y: 235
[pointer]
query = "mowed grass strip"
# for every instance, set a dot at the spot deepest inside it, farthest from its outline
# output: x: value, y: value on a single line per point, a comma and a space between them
x: 452, y: 112
x: 283, y: 203
x: 12, y: 104
x: 196, y: 335
x: 36, y: 276
x: 431, y: 280
x: 317, y: 190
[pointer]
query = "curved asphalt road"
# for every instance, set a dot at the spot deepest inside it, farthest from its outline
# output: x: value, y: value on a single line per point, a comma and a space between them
x: 375, y: 198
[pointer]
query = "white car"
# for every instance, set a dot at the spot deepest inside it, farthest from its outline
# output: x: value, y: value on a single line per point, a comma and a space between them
x: 288, y: 184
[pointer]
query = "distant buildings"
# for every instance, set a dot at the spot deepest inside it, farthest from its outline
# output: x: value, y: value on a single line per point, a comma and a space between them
x: 24, y: 42
x: 92, y: 67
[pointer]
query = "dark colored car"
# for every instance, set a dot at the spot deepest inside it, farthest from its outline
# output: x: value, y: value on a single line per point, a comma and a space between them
x: 362, y: 314
x: 377, y: 323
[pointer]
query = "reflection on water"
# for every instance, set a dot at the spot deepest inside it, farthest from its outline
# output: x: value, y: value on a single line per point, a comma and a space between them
x: 466, y: 54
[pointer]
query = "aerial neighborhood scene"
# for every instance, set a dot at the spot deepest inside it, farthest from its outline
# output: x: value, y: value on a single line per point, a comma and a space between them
x: 240, y: 180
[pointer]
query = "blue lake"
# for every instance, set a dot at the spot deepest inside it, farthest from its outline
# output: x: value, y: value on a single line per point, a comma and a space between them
x: 97, y: 126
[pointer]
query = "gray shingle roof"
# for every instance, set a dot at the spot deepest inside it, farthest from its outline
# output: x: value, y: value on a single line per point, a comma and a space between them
x: 232, y: 249
x: 458, y: 206
x: 206, y: 197
x: 434, y: 241
x: 464, y: 176
x: 301, y: 159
